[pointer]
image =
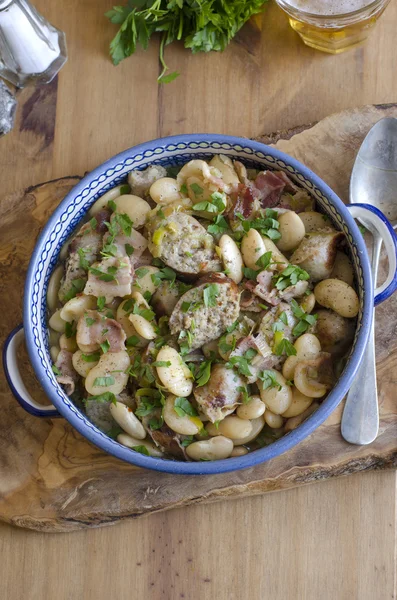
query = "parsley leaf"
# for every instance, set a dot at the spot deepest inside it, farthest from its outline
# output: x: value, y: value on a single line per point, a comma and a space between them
x: 290, y: 276
x: 217, y: 204
x: 133, y: 340
x: 305, y: 320
x: 203, y: 373
x: 100, y: 302
x: 269, y: 380
x: 250, y: 273
x: 78, y: 286
x: 285, y: 347
x: 104, y: 381
x: 83, y: 262
x: 264, y: 261
x: 196, y: 189
x: 161, y: 363
x: 141, y: 449
x: 105, y: 397
x: 105, y: 346
x: 91, y: 357
x: 103, y: 276
x: 70, y: 329
x: 218, y: 226
x: 210, y: 294
x: 55, y: 370
x: 129, y: 249
x: 164, y: 274
x: 183, y: 408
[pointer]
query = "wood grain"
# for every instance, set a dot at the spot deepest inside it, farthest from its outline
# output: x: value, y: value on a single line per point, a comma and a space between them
x: 71, y: 484
x: 334, y: 540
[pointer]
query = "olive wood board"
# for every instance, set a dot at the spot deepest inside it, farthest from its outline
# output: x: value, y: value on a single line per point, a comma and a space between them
x: 52, y: 479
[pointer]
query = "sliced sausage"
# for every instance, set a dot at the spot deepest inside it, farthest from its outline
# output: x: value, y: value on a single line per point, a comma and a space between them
x: 220, y: 396
x: 316, y: 254
x: 183, y: 244
x: 206, y: 310
x: 334, y: 332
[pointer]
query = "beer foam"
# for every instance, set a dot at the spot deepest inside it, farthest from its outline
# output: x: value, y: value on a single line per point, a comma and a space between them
x: 329, y: 7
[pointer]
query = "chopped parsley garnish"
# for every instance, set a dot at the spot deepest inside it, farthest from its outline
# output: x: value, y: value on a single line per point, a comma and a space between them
x: 55, y: 370
x: 241, y: 363
x: 161, y: 363
x: 83, y: 262
x: 225, y: 346
x: 105, y: 346
x: 100, y: 303
x: 146, y: 313
x: 70, y: 329
x: 189, y: 439
x: 141, y: 272
x: 150, y: 400
x: 89, y: 321
x: 156, y: 423
x: 91, y: 357
x: 196, y: 189
x: 160, y: 213
x: 109, y: 250
x: 269, y: 380
x: 129, y: 249
x: 305, y: 320
x: 124, y: 189
x: 141, y: 450
x: 133, y: 340
x: 218, y: 226
x: 78, y: 286
x: 283, y: 317
x: 105, y: 397
x: 104, y: 381
x: 267, y: 225
x: 216, y: 205
x: 164, y: 274
x: 183, y: 189
x: 104, y: 276
x: 192, y: 306
x: 250, y: 273
x: 210, y: 295
x: 284, y: 347
x: 93, y: 223
x: 203, y: 373
x: 185, y: 340
x: 290, y: 276
x: 112, y: 205
x: 184, y: 408
x: 244, y: 393
x: 264, y: 261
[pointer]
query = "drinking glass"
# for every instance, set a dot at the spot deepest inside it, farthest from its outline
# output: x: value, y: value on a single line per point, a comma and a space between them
x: 333, y: 25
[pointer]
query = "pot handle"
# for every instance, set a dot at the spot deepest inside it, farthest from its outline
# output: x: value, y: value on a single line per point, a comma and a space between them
x: 374, y: 218
x: 14, y: 379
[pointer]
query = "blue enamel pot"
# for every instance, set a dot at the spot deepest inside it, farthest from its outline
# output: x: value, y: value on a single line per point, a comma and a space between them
x: 177, y: 150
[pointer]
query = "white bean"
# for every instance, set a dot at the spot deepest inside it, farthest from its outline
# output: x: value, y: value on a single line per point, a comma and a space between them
x: 185, y: 425
x: 109, y: 375
x: 83, y: 367
x: 135, y: 207
x: 165, y: 190
x: 225, y: 166
x: 126, y: 440
x: 76, y: 307
x: 129, y: 329
x: 307, y: 385
x: 238, y: 451
x: 53, y: 288
x: 176, y: 377
x: 144, y: 282
x: 215, y: 448
x: 257, y: 426
x: 68, y: 344
x: 292, y: 231
x: 300, y: 403
x: 294, y: 422
x: 231, y: 258
x: 56, y: 322
x: 194, y: 168
x: 124, y: 416
x: 339, y: 296
x: 54, y: 351
x: 252, y: 248
x: 277, y: 256
x: 102, y: 202
x: 277, y: 399
x: 253, y: 409
x: 143, y: 327
x: 306, y: 345
x: 315, y: 221
x: 308, y: 302
x: 274, y: 421
x: 231, y: 427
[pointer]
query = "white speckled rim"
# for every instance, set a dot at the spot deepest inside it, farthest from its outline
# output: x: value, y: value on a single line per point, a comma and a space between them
x: 169, y: 151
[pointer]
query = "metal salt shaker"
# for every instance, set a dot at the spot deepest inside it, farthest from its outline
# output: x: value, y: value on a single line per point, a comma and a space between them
x: 31, y: 49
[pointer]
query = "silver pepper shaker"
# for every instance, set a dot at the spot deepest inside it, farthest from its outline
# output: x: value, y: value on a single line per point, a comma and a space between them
x: 31, y: 49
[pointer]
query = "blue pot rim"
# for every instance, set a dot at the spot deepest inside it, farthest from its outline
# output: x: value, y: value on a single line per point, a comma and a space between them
x: 251, y: 459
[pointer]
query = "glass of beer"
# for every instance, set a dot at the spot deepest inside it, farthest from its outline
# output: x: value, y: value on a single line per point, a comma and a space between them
x: 333, y: 25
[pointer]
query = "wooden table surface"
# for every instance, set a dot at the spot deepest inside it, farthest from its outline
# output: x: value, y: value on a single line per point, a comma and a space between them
x: 334, y: 540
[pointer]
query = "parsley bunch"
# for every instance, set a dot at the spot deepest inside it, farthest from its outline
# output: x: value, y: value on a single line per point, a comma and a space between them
x: 203, y: 25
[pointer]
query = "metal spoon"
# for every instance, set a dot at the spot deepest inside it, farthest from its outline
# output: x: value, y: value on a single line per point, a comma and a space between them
x: 373, y: 181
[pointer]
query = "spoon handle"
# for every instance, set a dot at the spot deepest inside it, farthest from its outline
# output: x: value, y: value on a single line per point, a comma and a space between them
x: 360, y: 420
